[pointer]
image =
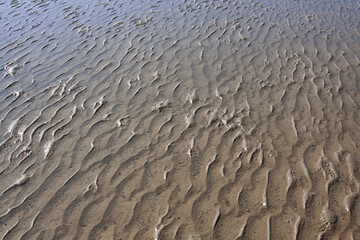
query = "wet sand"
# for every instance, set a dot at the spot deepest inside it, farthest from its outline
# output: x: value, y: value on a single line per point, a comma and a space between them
x: 179, y: 119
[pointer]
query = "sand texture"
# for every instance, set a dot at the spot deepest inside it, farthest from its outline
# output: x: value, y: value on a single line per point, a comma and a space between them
x: 190, y: 119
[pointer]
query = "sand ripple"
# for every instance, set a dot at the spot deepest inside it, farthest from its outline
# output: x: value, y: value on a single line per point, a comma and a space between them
x: 179, y: 119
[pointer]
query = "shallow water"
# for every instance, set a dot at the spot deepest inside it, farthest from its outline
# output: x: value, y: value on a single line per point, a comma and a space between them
x: 179, y: 119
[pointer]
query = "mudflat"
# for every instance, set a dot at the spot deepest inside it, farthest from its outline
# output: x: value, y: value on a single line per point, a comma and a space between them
x: 180, y: 119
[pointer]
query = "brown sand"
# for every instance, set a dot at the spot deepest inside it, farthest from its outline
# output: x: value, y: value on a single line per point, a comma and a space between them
x: 180, y: 119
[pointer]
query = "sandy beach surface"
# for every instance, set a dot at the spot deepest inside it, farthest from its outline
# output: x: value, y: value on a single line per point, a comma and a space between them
x: 190, y: 119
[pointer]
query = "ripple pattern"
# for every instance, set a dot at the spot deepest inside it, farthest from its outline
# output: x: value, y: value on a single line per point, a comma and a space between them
x: 179, y: 119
